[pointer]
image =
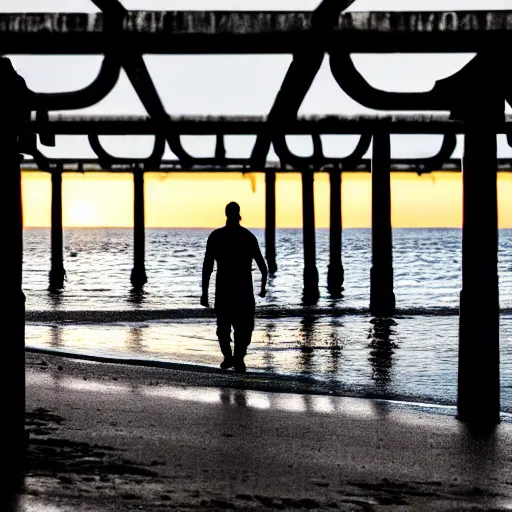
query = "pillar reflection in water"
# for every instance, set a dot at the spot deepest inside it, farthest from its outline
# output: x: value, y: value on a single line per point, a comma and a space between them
x: 382, y: 347
x: 136, y: 296
x: 55, y: 336
x: 335, y: 346
x: 135, y: 340
x: 307, y: 345
x: 268, y: 354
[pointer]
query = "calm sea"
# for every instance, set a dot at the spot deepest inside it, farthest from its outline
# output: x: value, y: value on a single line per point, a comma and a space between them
x: 339, y: 346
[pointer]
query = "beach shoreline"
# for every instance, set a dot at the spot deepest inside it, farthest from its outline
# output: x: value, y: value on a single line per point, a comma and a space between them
x: 197, y: 375
x: 115, y: 437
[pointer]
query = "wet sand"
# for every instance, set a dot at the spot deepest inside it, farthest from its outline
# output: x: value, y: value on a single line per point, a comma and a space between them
x: 108, y: 437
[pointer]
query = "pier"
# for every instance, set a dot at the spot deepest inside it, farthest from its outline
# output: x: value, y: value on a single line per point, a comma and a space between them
x: 308, y: 36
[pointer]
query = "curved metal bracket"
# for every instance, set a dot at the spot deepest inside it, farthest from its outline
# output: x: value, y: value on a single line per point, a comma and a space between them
x: 106, y: 160
x: 46, y: 137
x: 29, y: 147
x: 356, y: 157
x: 90, y: 95
x: 457, y: 93
x: 155, y: 159
x: 445, y: 153
x: 318, y: 159
x: 299, y: 162
x: 355, y: 85
x: 299, y: 78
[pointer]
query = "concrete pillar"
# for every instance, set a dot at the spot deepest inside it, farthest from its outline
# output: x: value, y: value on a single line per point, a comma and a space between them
x: 382, y: 298
x: 12, y: 369
x: 57, y: 272
x: 479, y: 373
x: 138, y: 276
x: 12, y: 356
x: 311, y: 293
x: 270, y: 220
x: 335, y: 274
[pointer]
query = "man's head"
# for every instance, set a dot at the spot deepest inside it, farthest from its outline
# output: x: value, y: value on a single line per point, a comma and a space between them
x: 233, y: 212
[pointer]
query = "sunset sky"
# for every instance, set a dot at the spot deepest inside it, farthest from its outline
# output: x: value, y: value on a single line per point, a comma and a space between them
x: 243, y: 85
x: 185, y: 200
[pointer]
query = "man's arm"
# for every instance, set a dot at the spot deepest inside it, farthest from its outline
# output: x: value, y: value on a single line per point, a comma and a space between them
x: 260, y: 261
x: 207, y: 272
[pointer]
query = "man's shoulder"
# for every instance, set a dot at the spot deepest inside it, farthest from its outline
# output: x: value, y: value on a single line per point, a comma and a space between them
x: 247, y: 233
x: 216, y: 232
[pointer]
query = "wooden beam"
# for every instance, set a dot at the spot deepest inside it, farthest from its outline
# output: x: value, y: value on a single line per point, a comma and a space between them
x: 182, y: 32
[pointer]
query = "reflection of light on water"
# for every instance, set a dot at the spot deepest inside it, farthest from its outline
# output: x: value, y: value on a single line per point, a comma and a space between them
x: 355, y: 407
x: 292, y: 403
x: 91, y: 385
x: 424, y: 368
x: 258, y: 400
x: 204, y: 395
x: 322, y: 404
x: 31, y: 504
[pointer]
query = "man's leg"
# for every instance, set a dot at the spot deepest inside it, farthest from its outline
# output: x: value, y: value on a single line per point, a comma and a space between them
x: 243, y: 325
x: 224, y: 336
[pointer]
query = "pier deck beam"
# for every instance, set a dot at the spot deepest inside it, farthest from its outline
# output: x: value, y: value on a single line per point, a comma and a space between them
x: 270, y: 221
x: 311, y: 293
x: 382, y: 297
x: 479, y: 373
x: 57, y: 271
x: 335, y: 274
x: 138, y: 276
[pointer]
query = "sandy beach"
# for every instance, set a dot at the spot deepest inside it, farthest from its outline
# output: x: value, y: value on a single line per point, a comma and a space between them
x: 107, y: 437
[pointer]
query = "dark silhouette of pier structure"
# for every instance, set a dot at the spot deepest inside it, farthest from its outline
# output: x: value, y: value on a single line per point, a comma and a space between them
x: 475, y: 97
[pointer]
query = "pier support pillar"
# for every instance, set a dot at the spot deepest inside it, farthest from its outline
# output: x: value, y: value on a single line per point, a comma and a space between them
x: 57, y: 271
x: 270, y: 221
x: 12, y: 357
x: 335, y: 274
x: 311, y: 293
x: 479, y: 373
x: 138, y: 277
x: 382, y: 297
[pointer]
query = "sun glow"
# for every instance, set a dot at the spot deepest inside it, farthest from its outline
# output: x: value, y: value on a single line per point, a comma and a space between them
x: 81, y: 214
x: 198, y: 200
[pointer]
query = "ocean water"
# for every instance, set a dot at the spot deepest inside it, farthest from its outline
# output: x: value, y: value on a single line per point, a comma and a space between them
x: 337, y: 343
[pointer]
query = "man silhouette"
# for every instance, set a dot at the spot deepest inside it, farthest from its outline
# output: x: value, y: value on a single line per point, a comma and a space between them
x: 233, y: 248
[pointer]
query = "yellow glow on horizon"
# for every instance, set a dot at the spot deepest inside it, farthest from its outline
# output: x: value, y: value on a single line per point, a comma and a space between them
x: 198, y: 199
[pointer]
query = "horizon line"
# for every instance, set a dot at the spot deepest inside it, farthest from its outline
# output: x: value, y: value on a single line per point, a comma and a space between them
x: 248, y: 227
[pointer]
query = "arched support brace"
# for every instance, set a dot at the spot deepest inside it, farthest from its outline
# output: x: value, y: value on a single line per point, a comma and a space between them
x: 299, y: 77
x: 445, y: 95
x: 355, y: 85
x: 445, y: 153
x: 106, y: 160
x: 102, y: 85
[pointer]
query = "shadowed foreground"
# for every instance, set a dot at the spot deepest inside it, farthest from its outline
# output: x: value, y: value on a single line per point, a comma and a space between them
x: 109, y: 437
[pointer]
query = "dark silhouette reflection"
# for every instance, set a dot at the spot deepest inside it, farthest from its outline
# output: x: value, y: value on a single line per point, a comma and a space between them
x: 135, y: 339
x: 382, y: 349
x: 55, y: 298
x: 233, y: 248
x: 268, y: 354
x: 55, y: 336
x: 230, y: 396
x: 307, y: 344
x: 335, y: 346
x: 136, y: 296
x: 481, y: 458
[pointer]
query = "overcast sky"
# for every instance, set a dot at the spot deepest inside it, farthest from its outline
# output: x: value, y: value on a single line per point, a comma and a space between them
x: 237, y: 85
